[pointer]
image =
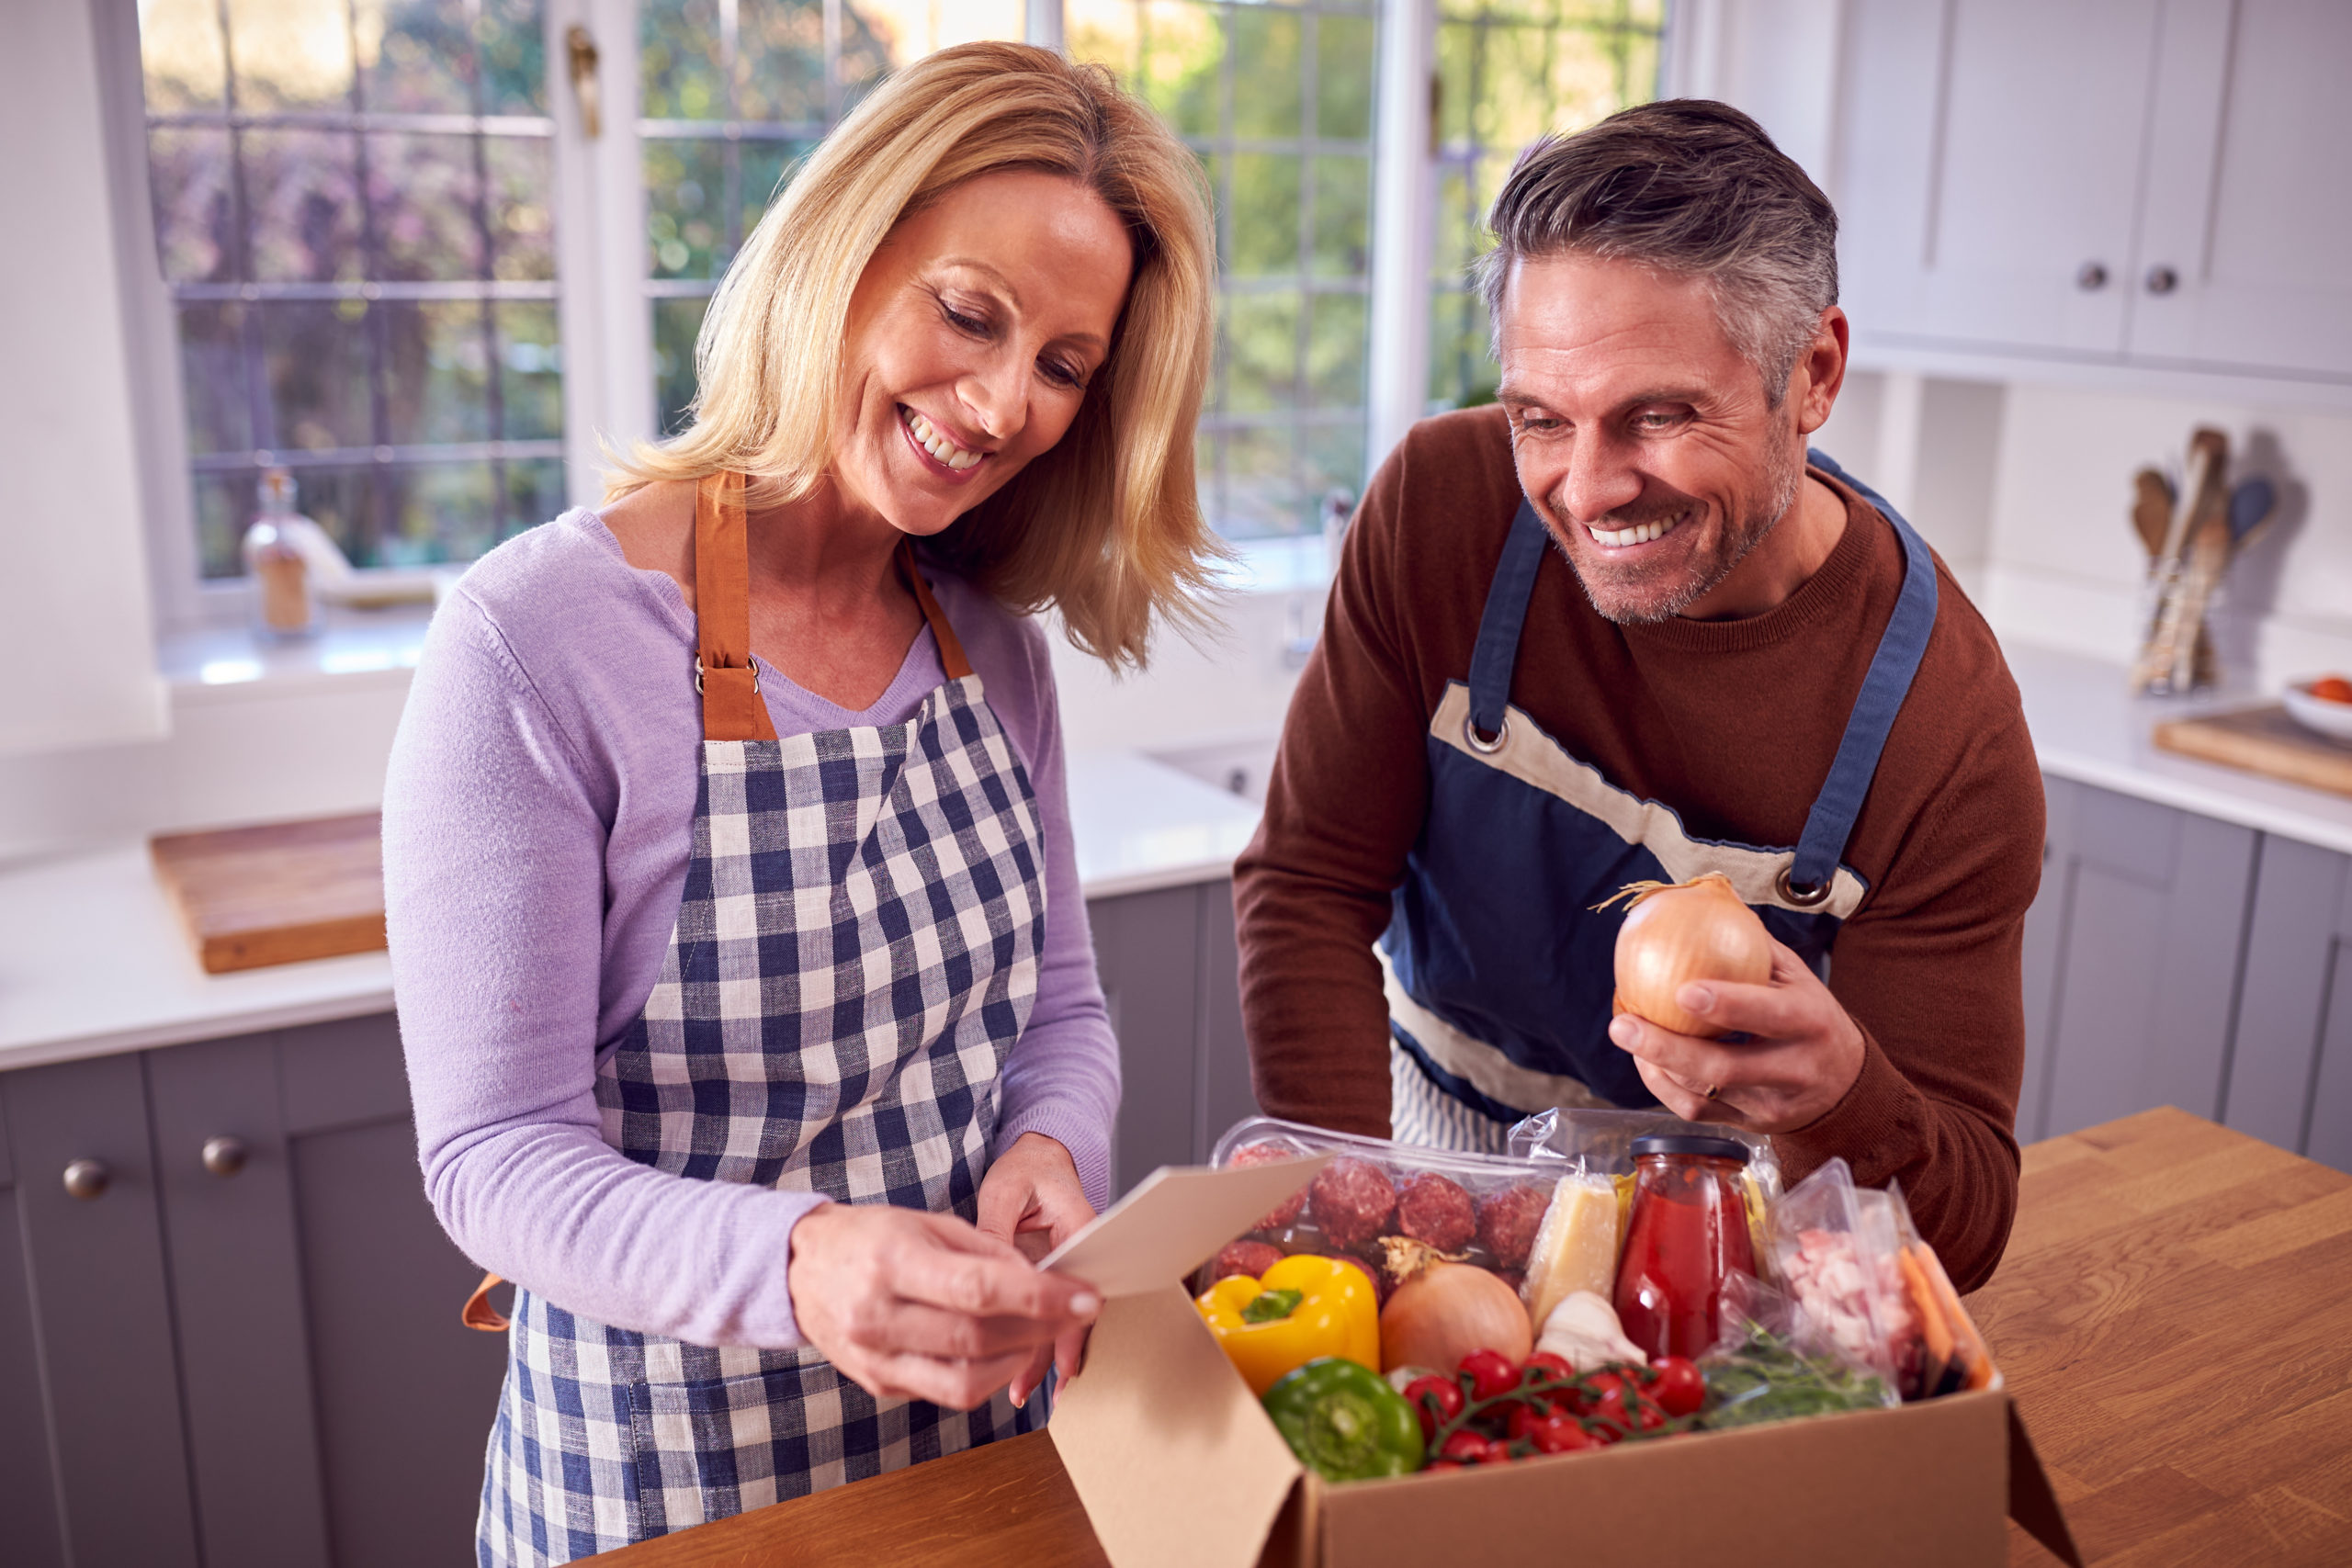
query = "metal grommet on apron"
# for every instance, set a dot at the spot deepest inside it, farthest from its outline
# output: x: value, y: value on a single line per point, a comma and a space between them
x: 1509, y: 977
x: 855, y: 956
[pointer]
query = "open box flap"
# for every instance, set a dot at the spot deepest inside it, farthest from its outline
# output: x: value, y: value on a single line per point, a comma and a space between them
x: 2032, y: 1503
x: 1171, y: 1455
x: 1173, y: 1221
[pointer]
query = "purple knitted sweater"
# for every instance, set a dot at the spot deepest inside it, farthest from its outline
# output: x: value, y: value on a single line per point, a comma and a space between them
x: 538, y: 817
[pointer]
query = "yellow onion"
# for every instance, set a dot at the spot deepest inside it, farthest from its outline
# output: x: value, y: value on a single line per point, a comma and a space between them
x: 1675, y: 933
x: 1448, y: 1310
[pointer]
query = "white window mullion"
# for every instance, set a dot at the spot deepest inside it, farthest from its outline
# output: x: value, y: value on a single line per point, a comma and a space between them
x: 600, y: 187
x: 1042, y: 23
x: 1404, y: 226
x: 150, y: 329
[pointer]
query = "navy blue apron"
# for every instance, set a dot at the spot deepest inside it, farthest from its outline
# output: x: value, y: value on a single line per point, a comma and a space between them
x: 1491, y: 932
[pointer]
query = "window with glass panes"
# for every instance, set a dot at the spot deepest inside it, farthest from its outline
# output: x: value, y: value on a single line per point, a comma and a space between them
x: 733, y: 94
x: 1509, y: 71
x: 352, y: 207
x: 1276, y: 100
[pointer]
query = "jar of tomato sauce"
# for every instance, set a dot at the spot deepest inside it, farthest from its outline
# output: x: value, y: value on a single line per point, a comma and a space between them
x: 1687, y: 1234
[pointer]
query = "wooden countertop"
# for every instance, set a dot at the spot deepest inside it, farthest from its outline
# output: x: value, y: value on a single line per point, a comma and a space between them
x: 2174, y: 1318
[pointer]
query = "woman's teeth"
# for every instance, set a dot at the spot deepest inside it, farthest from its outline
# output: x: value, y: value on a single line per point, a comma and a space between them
x: 1639, y: 533
x: 928, y: 437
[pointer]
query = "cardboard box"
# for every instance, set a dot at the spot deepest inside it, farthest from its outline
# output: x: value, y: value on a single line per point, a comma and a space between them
x: 1177, y: 1463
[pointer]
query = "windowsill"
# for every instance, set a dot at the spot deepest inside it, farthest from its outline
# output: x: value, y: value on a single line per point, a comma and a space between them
x: 352, y: 650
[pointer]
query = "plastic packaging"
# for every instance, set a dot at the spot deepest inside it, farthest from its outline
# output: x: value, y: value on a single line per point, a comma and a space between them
x: 1761, y: 1369
x: 1838, y: 1253
x: 1952, y: 1354
x: 1390, y: 1205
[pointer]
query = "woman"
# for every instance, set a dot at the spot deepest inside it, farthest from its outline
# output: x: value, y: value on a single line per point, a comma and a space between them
x: 744, y: 975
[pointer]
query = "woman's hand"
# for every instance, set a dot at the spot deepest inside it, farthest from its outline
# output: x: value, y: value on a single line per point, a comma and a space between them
x: 1804, y: 1054
x: 1031, y: 1198
x: 913, y: 1305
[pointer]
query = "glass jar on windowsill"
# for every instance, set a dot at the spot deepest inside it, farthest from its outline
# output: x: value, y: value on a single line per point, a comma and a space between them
x: 285, y: 601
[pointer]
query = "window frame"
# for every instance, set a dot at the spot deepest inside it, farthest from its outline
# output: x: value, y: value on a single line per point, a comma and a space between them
x: 599, y: 197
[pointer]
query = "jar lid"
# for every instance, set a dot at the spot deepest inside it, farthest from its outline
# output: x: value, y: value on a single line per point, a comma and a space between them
x: 1691, y: 1143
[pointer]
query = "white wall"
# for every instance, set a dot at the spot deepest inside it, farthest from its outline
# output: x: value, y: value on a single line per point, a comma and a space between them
x: 2066, y: 569
x: 2025, y: 489
x: 76, y: 642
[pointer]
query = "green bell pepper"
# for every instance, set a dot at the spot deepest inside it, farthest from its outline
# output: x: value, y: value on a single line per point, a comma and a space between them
x: 1344, y: 1422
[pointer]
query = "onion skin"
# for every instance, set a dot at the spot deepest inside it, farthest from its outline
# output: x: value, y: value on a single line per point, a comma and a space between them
x: 1449, y: 1310
x: 1695, y: 930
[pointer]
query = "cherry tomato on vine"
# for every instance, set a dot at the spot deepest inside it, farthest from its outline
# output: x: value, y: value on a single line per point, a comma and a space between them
x: 1491, y: 1374
x: 1559, y: 1434
x: 1468, y: 1448
x: 1554, y: 1368
x: 1445, y: 1392
x: 1602, y: 1386
x: 1679, y: 1389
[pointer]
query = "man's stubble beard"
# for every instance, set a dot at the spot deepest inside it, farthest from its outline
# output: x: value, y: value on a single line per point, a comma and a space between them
x: 1787, y: 474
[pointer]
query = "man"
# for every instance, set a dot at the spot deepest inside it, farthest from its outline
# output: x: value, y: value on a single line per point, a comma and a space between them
x: 1618, y: 627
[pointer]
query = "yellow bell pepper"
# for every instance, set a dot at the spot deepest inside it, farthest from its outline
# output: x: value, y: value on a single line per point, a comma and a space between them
x: 1338, y: 1314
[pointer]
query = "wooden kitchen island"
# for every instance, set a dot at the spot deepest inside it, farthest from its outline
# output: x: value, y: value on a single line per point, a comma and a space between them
x: 2174, y: 1318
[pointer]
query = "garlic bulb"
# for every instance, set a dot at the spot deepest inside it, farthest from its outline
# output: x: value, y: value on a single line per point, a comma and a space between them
x: 1583, y: 1330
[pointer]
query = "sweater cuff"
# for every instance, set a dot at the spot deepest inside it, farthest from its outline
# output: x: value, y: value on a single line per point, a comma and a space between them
x: 769, y: 1321
x: 1881, y: 1125
x: 1071, y: 1125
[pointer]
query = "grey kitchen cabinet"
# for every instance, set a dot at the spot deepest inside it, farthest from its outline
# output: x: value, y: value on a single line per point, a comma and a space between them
x: 2171, y: 959
x: 1170, y: 974
x: 2291, y: 1067
x: 93, y: 1463
x: 337, y: 1410
x: 246, y: 1348
x: 2132, y: 951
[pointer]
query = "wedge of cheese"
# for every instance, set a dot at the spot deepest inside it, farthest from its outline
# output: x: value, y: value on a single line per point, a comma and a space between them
x: 1575, y: 1249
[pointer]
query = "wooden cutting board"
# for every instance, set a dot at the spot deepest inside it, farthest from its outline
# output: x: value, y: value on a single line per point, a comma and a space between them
x: 279, y: 893
x: 2262, y: 740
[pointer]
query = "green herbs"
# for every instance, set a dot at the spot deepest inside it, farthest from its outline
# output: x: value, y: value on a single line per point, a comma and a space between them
x: 1767, y: 1379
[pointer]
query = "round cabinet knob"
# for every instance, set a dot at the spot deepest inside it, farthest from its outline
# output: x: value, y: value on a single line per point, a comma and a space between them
x: 87, y: 1178
x: 2163, y: 280
x: 226, y: 1155
x: 2091, y: 276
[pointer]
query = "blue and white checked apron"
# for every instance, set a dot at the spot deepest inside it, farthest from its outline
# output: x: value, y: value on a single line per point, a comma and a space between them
x: 856, y: 954
x: 1499, y: 977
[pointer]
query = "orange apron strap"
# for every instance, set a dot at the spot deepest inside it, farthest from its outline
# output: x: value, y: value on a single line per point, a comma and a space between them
x: 733, y: 708
x: 478, y: 1314
x: 951, y: 651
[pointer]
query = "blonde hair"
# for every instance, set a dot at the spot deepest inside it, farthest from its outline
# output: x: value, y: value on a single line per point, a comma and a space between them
x: 1106, y: 526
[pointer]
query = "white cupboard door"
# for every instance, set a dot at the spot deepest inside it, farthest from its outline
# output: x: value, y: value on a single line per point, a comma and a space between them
x: 2245, y: 252
x: 1993, y: 160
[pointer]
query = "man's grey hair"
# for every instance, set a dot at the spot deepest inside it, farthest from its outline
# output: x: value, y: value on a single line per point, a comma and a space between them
x: 1691, y: 187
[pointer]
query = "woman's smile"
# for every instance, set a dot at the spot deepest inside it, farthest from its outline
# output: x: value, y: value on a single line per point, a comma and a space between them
x: 940, y: 452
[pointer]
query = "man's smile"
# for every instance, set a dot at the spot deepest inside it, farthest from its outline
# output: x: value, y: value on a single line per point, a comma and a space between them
x: 1635, y: 534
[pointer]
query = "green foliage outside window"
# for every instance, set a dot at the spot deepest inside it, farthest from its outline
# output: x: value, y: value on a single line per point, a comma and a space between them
x: 1509, y: 71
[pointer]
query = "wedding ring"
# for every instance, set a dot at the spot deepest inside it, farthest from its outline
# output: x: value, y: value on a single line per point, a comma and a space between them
x: 1711, y: 1090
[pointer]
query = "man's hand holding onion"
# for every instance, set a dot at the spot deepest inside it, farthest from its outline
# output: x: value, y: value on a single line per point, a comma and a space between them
x: 1804, y: 1052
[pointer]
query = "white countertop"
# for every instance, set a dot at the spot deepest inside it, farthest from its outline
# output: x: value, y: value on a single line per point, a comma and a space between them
x: 93, y: 959
x: 2088, y: 728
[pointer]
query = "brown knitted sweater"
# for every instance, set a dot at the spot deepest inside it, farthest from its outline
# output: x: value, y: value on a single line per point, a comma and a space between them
x: 1731, y: 723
